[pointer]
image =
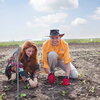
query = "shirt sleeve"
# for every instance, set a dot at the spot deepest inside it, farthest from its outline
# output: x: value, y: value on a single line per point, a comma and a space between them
x: 22, y: 71
x: 67, y: 57
x: 44, y: 57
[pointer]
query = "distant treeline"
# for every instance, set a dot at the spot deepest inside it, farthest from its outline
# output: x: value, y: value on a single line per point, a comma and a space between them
x: 19, y: 43
x: 83, y: 40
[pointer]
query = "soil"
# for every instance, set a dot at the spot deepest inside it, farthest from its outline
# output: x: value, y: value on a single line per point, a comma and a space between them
x: 86, y: 58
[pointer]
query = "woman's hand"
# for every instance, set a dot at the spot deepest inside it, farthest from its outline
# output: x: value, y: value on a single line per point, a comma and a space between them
x: 24, y: 78
x: 33, y: 83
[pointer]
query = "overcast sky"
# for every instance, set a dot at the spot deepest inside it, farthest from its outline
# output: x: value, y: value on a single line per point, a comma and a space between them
x: 33, y: 19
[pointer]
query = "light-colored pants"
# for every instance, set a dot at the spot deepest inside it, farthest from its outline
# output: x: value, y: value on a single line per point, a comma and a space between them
x: 53, y: 62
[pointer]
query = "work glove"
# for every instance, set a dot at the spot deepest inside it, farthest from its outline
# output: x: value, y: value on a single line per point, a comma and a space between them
x: 51, y: 78
x: 66, y: 81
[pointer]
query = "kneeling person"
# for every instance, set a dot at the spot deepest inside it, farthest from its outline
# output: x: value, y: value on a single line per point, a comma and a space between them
x: 28, y: 66
x: 55, y: 52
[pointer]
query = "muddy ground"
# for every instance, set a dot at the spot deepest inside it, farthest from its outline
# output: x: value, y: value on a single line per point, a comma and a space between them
x: 86, y: 58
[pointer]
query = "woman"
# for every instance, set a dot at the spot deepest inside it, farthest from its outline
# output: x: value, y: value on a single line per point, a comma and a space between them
x: 27, y: 63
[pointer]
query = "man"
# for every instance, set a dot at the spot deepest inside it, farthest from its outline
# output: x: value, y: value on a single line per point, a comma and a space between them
x: 55, y: 52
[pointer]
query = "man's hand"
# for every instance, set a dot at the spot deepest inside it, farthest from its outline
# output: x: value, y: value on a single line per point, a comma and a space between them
x: 66, y: 82
x: 51, y: 78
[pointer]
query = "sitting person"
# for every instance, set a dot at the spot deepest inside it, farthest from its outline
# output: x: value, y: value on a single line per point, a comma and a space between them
x: 55, y: 52
x: 28, y: 66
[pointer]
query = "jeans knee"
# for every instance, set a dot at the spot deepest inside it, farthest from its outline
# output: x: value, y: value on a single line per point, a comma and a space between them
x: 52, y: 55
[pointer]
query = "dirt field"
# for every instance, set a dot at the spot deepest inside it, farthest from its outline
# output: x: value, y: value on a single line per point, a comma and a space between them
x: 86, y: 58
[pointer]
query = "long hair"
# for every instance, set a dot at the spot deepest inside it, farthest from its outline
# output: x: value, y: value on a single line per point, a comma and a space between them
x: 33, y: 61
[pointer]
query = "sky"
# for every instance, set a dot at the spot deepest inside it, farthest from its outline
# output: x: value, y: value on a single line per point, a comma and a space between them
x: 33, y: 19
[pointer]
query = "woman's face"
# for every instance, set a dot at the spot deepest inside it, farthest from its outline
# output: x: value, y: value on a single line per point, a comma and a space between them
x: 29, y: 51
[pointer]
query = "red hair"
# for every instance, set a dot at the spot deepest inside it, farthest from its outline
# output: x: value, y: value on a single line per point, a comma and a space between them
x: 29, y: 65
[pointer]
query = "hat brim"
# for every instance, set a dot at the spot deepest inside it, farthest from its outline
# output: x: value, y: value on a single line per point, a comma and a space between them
x: 61, y: 35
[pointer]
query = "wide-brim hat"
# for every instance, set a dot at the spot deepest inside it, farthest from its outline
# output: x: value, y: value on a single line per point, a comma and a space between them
x: 55, y: 32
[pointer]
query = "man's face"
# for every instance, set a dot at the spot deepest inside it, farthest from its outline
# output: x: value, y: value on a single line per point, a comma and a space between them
x: 55, y: 40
